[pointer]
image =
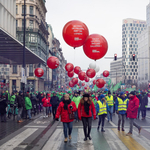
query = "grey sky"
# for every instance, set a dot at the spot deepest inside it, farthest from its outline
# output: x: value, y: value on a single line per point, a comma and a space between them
x: 101, y: 16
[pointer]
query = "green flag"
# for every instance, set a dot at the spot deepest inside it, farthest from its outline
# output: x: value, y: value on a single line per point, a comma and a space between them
x: 95, y: 88
x: 111, y: 89
x: 117, y: 86
x: 109, y: 82
x: 59, y: 86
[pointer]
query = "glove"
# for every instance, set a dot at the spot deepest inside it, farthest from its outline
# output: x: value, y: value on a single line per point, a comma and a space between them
x: 57, y: 119
x: 71, y: 107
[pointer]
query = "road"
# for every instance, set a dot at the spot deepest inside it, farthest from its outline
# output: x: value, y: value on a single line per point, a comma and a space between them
x: 45, y: 134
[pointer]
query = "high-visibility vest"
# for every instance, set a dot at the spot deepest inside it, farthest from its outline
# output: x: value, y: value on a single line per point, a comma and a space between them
x: 122, y: 105
x: 110, y: 100
x: 12, y: 99
x: 102, y: 108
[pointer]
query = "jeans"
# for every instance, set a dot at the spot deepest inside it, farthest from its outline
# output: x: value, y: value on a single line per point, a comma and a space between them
x: 143, y: 113
x: 19, y: 113
x: 87, y: 123
x: 139, y: 109
x: 45, y: 110
x: 29, y: 113
x: 109, y: 114
x: 121, y: 117
x: 50, y: 110
x: 101, y: 119
x: 67, y: 125
x: 132, y: 123
x: 54, y: 109
x: 3, y: 117
x: 76, y: 115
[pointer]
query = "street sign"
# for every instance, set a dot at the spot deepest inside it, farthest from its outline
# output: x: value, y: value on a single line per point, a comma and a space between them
x: 23, y: 77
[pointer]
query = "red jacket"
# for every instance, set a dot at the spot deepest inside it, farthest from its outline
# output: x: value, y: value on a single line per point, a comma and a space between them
x: 49, y: 99
x: 65, y: 113
x: 82, y: 113
x: 133, y: 106
x: 45, y: 102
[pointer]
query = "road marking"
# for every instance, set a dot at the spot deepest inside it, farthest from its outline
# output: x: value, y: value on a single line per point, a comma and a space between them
x: 147, y: 117
x: 128, y: 141
x: 111, y: 123
x: 113, y: 141
x: 14, y: 142
x: 35, y: 126
x: 84, y: 145
x: 54, y: 141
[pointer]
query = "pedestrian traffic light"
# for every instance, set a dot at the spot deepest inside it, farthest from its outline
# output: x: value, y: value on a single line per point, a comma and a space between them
x: 133, y: 57
x: 115, y: 57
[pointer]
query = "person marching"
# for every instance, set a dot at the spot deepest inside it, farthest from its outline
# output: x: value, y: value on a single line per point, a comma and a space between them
x: 121, y: 108
x: 65, y: 108
x: 110, y: 102
x: 76, y: 99
x: 102, y: 109
x: 85, y: 108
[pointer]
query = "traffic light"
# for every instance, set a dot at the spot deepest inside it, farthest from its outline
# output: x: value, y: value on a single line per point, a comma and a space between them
x: 115, y: 57
x: 149, y: 85
x: 133, y: 57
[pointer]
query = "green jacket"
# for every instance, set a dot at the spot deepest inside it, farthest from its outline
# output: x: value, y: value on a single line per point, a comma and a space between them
x: 76, y: 100
x: 28, y: 103
x: 12, y: 99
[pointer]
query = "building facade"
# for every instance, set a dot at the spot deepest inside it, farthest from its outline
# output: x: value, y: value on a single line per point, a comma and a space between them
x: 116, y: 71
x: 8, y: 23
x: 131, y: 28
x: 36, y: 40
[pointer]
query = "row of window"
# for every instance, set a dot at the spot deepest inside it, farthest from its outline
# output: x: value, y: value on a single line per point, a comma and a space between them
x: 4, y: 69
x: 31, y: 24
x: 129, y: 49
x: 134, y: 25
x: 129, y: 35
x: 133, y: 28
x: 31, y: 9
x: 129, y: 77
x: 129, y: 42
x: 126, y: 39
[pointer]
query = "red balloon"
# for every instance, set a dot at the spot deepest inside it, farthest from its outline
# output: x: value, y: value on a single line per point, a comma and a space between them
x: 78, y: 84
x: 39, y: 72
x: 81, y: 75
x: 106, y: 73
x: 75, y: 33
x: 99, y: 83
x: 87, y: 79
x: 77, y: 69
x: 83, y: 84
x: 69, y: 67
x: 71, y: 84
x: 53, y: 62
x: 71, y: 74
x: 94, y: 82
x: 85, y: 88
x: 75, y: 80
x: 90, y: 73
x: 95, y: 46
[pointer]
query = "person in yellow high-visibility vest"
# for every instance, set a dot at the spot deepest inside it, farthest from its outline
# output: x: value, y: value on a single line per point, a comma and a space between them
x: 102, y: 109
x: 110, y: 102
x: 121, y: 108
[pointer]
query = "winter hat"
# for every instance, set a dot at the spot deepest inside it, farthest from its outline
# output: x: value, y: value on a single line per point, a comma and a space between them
x: 93, y: 95
x: 86, y: 95
x: 122, y: 93
x: 109, y: 92
x: 102, y: 96
x: 132, y: 92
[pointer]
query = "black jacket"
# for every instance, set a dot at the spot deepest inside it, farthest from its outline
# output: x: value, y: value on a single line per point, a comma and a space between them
x: 140, y: 98
x: 54, y: 101
x: 20, y: 101
x: 3, y: 105
x: 144, y: 102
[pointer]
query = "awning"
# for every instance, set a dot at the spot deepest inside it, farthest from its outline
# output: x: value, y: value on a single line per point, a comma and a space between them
x: 11, y: 51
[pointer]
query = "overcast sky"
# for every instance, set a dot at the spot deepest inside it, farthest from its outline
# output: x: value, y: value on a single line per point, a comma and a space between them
x: 102, y: 17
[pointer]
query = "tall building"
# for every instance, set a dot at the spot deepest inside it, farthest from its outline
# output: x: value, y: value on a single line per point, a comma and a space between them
x: 8, y: 23
x: 131, y: 28
x: 116, y: 68
x: 144, y: 59
x: 36, y: 40
x: 148, y: 14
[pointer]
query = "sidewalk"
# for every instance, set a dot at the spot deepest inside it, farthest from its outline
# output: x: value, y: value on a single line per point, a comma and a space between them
x: 11, y: 126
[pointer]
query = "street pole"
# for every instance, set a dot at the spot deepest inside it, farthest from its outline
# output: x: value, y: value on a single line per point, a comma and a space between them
x: 24, y: 65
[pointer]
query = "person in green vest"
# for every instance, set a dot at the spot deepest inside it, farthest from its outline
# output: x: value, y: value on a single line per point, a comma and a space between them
x: 76, y: 99
x: 110, y: 102
x: 28, y: 105
x: 121, y: 108
x: 102, y: 108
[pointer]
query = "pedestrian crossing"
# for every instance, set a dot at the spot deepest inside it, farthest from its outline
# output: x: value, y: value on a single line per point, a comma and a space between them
x: 111, y: 139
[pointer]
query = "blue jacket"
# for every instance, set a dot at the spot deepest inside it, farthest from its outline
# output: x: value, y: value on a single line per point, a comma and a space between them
x: 97, y: 107
x: 116, y: 106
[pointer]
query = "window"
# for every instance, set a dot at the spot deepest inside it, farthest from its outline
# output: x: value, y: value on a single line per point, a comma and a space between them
x: 14, y: 69
x: 16, y: 23
x: 31, y: 24
x: 31, y: 10
x: 16, y: 9
x: 23, y: 9
x: 33, y: 38
x: 31, y: 70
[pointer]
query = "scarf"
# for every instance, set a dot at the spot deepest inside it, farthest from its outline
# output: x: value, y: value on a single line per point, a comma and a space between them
x: 86, y: 107
x: 66, y: 103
